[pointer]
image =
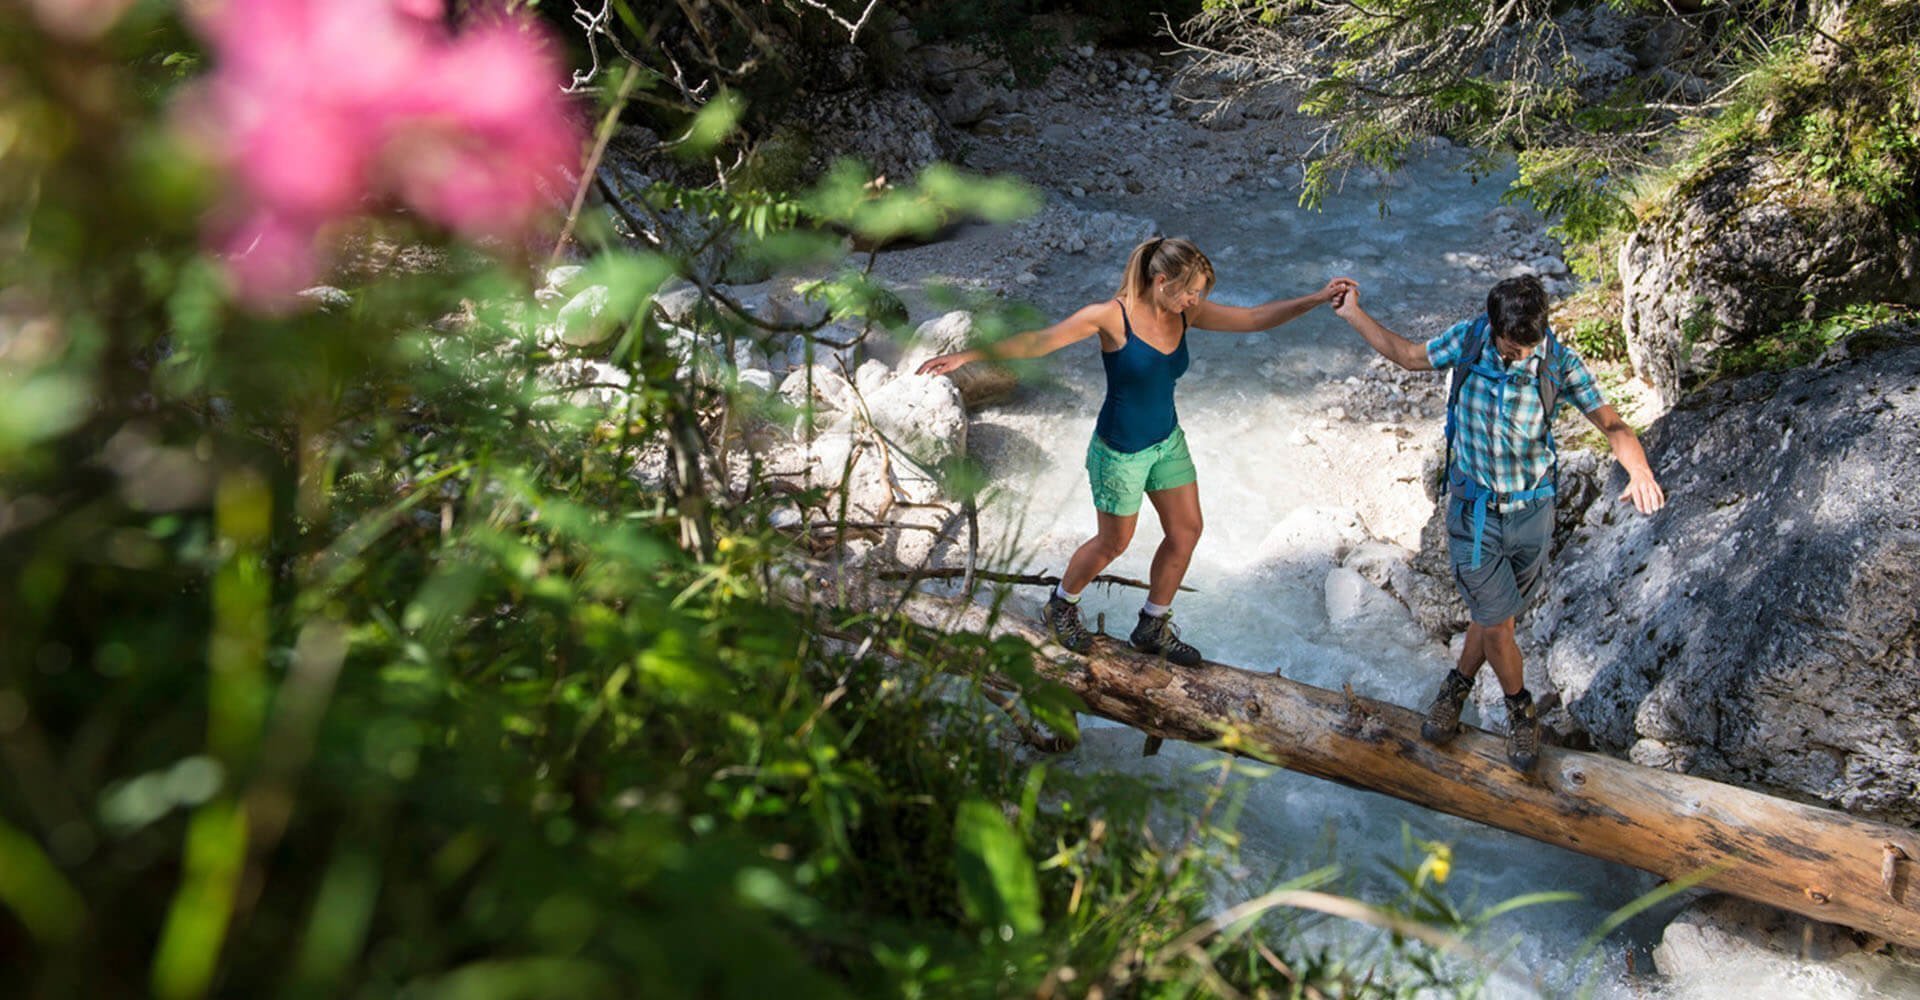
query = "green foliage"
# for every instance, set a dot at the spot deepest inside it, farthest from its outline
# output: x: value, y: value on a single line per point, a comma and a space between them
x: 1841, y: 109
x: 1598, y: 338
x: 1848, y: 110
x: 997, y: 884
x: 777, y: 163
x: 1802, y: 341
x: 1580, y: 194
x: 347, y: 652
x: 757, y: 212
x: 1877, y: 159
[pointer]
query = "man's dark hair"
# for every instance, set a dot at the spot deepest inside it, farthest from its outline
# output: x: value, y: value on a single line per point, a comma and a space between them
x: 1517, y: 310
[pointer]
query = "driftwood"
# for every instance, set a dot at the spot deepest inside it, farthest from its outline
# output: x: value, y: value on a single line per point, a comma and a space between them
x: 1818, y: 862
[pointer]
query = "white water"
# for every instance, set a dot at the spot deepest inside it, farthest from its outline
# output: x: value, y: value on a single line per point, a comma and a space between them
x: 1275, y: 475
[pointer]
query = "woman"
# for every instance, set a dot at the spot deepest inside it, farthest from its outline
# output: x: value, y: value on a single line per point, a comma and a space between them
x: 1138, y: 446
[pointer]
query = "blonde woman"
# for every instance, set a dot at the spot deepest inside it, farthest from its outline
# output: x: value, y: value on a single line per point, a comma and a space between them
x: 1138, y: 447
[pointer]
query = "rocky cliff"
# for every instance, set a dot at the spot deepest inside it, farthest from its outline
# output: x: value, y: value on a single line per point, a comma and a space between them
x: 1744, y: 249
x: 1762, y: 629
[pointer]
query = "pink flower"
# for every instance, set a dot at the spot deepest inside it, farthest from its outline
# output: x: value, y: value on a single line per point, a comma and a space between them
x: 321, y: 110
x: 425, y: 10
x: 270, y: 258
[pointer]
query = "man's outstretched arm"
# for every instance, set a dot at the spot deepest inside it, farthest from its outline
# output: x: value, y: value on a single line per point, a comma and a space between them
x: 1408, y: 354
x: 1642, y: 488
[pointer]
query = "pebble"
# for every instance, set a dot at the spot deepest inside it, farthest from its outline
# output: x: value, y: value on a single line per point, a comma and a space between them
x: 1027, y: 278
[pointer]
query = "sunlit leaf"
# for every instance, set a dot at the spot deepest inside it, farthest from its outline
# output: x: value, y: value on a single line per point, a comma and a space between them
x: 997, y: 882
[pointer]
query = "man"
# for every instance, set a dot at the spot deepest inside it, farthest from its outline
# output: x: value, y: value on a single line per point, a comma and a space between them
x: 1508, y: 373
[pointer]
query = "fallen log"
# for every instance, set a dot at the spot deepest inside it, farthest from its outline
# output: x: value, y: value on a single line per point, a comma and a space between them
x: 1817, y: 862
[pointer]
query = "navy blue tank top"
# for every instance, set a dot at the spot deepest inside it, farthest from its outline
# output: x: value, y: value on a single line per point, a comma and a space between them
x: 1138, y: 412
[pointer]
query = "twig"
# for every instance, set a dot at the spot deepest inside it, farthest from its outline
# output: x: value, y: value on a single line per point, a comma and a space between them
x: 605, y: 133
x: 1033, y: 579
x: 875, y: 525
x: 973, y: 543
x: 853, y: 27
x: 1030, y: 731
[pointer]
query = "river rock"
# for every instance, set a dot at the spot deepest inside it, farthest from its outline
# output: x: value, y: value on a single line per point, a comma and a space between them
x: 923, y: 417
x: 1383, y: 564
x: 980, y: 383
x: 870, y: 376
x: 1353, y: 599
x: 678, y: 300
x: 828, y: 390
x: 328, y: 298
x: 1723, y: 946
x: 579, y: 323
x: 1763, y: 628
x: 1308, y: 541
x: 1742, y: 250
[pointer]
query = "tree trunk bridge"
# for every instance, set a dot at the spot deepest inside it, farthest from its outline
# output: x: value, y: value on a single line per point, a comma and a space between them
x: 1821, y: 863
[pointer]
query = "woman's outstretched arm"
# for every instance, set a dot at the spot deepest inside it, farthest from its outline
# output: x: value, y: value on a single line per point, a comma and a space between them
x: 1408, y: 354
x: 1244, y: 319
x: 1032, y: 344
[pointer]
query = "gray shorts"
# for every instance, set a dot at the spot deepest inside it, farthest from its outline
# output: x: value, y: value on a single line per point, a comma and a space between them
x: 1513, y: 556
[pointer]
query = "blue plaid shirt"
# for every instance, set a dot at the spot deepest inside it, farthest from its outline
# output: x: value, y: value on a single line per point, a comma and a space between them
x: 1511, y: 455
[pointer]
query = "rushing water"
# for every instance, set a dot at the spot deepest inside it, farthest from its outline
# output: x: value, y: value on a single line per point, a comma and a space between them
x: 1273, y: 499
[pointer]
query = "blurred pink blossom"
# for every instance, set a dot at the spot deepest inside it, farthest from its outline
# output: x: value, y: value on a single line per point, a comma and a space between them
x: 321, y: 110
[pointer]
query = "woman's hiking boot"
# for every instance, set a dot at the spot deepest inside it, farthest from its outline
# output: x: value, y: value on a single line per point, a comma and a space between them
x: 1443, y: 715
x: 1523, y: 731
x: 1158, y: 635
x: 1063, y: 620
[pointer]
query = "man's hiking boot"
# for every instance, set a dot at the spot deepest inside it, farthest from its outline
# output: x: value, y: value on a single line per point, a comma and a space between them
x: 1063, y: 620
x: 1523, y: 731
x: 1443, y: 716
x: 1157, y: 635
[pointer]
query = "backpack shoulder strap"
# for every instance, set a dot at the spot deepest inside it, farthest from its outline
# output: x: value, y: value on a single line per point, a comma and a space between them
x: 1476, y: 341
x: 1549, y: 380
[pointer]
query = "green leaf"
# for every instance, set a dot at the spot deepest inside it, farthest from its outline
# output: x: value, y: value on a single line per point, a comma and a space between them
x: 713, y: 123
x: 34, y: 889
x: 447, y: 594
x: 630, y: 280
x: 1056, y: 706
x: 998, y: 887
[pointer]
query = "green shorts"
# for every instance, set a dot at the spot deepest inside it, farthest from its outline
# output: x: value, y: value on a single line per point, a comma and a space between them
x: 1120, y: 478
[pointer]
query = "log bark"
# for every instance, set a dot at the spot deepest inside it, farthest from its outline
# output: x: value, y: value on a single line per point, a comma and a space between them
x: 1821, y: 863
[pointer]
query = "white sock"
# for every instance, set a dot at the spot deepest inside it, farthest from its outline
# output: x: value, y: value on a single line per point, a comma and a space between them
x: 1060, y: 591
x: 1152, y: 610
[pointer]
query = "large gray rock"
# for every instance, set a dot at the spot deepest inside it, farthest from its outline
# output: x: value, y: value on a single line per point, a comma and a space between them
x: 1742, y: 250
x: 980, y: 383
x: 965, y: 84
x: 893, y: 131
x: 1763, y: 629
